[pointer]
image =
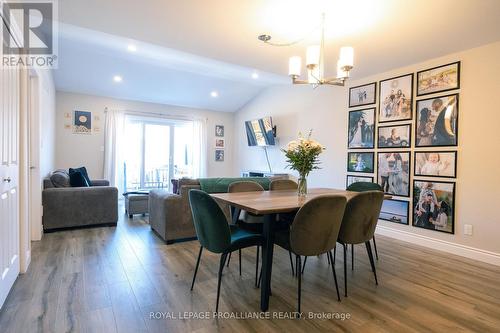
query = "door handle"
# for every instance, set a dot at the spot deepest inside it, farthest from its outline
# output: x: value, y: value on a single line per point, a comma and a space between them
x: 7, y: 180
x: 32, y: 167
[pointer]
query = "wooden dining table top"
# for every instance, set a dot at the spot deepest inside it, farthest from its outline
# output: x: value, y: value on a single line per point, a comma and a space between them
x: 281, y: 201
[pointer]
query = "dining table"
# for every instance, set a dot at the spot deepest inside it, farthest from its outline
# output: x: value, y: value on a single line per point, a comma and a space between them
x: 268, y: 204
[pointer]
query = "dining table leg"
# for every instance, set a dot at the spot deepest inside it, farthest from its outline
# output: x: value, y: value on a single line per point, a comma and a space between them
x: 267, y: 261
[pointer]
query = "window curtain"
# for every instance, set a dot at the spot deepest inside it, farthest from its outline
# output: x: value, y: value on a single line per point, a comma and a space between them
x: 113, y: 156
x: 199, y: 148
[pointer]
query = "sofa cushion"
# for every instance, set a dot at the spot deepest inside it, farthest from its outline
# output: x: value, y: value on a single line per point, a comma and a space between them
x: 60, y: 178
x: 84, y: 173
x: 77, y: 179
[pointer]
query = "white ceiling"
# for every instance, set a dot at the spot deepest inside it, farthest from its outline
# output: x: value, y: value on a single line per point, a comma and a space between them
x: 188, y: 48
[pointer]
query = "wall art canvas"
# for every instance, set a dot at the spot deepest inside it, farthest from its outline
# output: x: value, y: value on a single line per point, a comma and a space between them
x: 363, y: 95
x: 396, y: 211
x: 361, y: 129
x: 360, y: 162
x: 393, y: 173
x: 394, y: 136
x: 436, y: 163
x: 437, y: 121
x: 434, y: 205
x: 395, y: 101
x: 438, y: 79
x: 82, y: 122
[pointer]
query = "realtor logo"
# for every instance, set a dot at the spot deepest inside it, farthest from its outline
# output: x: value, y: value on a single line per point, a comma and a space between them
x: 29, y: 33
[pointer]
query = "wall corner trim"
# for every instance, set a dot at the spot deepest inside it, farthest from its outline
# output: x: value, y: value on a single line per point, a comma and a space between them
x: 436, y: 244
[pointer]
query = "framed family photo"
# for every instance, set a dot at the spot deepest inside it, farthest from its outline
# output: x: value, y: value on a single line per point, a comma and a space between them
x: 438, y: 79
x: 436, y: 163
x: 363, y: 95
x: 356, y: 179
x: 395, y: 100
x: 361, y: 129
x: 434, y: 205
x: 392, y: 136
x: 360, y: 162
x: 437, y: 121
x: 397, y: 211
x: 393, y: 173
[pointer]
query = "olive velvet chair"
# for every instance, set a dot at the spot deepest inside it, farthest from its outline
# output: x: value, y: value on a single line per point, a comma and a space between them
x: 314, y: 231
x: 283, y: 184
x: 215, y: 234
x: 359, y: 223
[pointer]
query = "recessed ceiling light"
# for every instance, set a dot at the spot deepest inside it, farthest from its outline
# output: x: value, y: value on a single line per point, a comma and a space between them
x: 214, y: 94
x: 131, y: 48
x: 117, y: 78
x: 255, y: 75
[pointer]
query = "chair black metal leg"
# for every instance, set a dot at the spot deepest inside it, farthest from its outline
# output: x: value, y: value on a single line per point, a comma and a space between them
x: 229, y: 259
x: 196, y: 268
x: 304, y: 266
x: 352, y: 256
x: 329, y: 254
x: 345, y: 270
x: 375, y: 246
x: 291, y: 262
x: 239, y: 255
x: 299, y: 284
x: 257, y: 268
x: 372, y: 262
x: 221, y: 267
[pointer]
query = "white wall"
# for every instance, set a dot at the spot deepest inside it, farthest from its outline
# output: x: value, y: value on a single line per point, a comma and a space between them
x: 47, y: 102
x: 325, y: 111
x: 74, y: 150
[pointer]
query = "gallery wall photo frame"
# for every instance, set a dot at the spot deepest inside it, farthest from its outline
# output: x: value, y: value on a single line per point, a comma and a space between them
x: 361, y: 135
x: 438, y: 79
x: 219, y: 131
x: 399, y: 186
x: 220, y: 143
x: 395, y: 211
x: 395, y: 101
x: 386, y: 139
x: 361, y: 162
x: 441, y: 191
x: 443, y: 132
x: 440, y: 164
x: 362, y: 95
x: 219, y: 155
x: 350, y: 179
x: 82, y: 122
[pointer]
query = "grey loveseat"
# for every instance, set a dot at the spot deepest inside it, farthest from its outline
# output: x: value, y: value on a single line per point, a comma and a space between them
x: 65, y: 207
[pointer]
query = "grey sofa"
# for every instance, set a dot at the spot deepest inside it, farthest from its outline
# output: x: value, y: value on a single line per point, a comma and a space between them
x: 66, y: 207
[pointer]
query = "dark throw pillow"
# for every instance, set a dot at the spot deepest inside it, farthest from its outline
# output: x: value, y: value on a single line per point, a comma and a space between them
x: 60, y: 178
x: 77, y: 179
x: 84, y: 173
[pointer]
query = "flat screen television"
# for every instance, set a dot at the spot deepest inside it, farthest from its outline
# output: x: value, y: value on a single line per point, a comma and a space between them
x: 260, y: 132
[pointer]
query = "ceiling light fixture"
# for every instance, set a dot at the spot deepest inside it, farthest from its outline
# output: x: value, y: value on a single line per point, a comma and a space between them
x: 131, y: 48
x: 315, y: 55
x: 117, y: 78
x: 214, y: 94
x: 255, y: 75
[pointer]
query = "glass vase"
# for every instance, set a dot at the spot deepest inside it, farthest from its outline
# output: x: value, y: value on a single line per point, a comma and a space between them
x: 302, y: 189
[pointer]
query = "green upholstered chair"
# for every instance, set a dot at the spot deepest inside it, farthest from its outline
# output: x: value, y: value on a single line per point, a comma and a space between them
x: 282, y: 184
x: 314, y: 231
x: 359, y: 223
x: 362, y: 187
x: 215, y: 234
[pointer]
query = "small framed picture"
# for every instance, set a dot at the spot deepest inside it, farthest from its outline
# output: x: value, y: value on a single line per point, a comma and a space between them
x: 219, y: 143
x: 438, y: 79
x: 396, y: 211
x: 82, y: 122
x: 395, y: 100
x: 437, y: 122
x: 356, y: 179
x: 393, y: 173
x: 219, y: 130
x: 392, y: 136
x: 361, y: 129
x: 360, y: 162
x: 219, y: 155
x: 363, y: 95
x: 436, y: 163
x: 434, y: 205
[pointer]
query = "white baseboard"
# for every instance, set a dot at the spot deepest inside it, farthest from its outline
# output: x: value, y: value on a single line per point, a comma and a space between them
x: 453, y: 248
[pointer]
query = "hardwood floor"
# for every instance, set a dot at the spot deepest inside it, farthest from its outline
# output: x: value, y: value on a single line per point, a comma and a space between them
x: 114, y: 279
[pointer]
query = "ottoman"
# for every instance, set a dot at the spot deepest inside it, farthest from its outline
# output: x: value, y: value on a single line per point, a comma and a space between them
x: 136, y: 203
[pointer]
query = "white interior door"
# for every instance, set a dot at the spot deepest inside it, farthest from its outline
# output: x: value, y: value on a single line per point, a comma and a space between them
x: 9, y: 173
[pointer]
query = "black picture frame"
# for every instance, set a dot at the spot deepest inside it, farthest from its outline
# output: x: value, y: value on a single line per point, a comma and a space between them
x: 380, y: 101
x: 407, y: 203
x: 417, y: 116
x: 457, y: 63
x: 219, y: 131
x: 351, y: 105
x: 408, y: 145
x: 366, y: 177
x: 370, y: 170
x: 417, y: 197
x: 374, y: 112
x: 219, y: 155
x: 454, y: 152
x: 409, y: 171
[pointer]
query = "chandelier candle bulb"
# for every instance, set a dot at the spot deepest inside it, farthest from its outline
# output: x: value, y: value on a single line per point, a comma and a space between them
x: 294, y: 66
x: 312, y: 55
x: 340, y: 72
x: 347, y: 57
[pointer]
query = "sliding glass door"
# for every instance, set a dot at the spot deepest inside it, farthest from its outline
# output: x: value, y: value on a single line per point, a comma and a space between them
x: 156, y: 150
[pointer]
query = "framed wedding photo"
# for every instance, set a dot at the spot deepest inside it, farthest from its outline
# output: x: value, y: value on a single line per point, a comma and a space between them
x: 363, y: 95
x: 436, y: 164
x: 395, y: 100
x: 360, y: 162
x: 361, y: 131
x: 434, y: 205
x: 394, y: 136
x: 436, y: 122
x: 393, y: 173
x: 356, y: 179
x: 438, y: 79
x: 396, y: 211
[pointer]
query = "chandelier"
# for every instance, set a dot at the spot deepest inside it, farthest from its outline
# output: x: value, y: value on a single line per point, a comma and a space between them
x: 315, y: 61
